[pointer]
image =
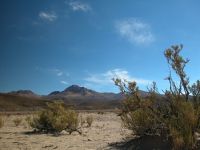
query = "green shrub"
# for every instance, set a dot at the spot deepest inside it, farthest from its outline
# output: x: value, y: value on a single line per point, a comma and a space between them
x: 89, y: 120
x: 176, y: 116
x: 55, y: 118
x: 182, y: 124
x: 17, y: 121
x: 140, y: 121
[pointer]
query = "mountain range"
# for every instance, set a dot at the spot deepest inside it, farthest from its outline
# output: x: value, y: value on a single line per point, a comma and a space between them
x: 75, y: 96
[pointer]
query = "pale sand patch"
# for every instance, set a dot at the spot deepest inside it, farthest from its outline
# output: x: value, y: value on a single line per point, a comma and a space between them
x: 106, y: 129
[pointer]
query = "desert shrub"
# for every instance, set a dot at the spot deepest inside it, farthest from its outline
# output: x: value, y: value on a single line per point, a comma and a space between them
x: 176, y: 115
x: 140, y: 121
x: 182, y: 123
x: 72, y: 121
x: 89, y: 120
x: 17, y: 121
x: 1, y: 121
x: 55, y: 118
x: 28, y: 119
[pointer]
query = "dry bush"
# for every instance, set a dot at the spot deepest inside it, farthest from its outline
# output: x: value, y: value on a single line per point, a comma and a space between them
x: 182, y: 125
x: 175, y: 116
x: 140, y: 121
x: 55, y: 119
x: 89, y: 121
x: 17, y: 121
x: 72, y: 121
x: 28, y: 120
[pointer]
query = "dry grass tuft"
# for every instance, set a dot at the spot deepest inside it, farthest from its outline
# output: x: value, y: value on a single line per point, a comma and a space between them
x: 89, y: 121
x: 17, y: 121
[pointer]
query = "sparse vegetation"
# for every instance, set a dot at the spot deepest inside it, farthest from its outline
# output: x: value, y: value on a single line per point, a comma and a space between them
x: 174, y: 116
x: 56, y: 118
x: 17, y: 121
x: 89, y: 120
x: 28, y: 120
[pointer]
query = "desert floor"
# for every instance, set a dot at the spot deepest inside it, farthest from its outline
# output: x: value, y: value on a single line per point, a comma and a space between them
x: 105, y: 132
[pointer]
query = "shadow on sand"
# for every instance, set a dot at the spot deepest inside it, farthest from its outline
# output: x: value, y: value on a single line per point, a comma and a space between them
x: 143, y: 143
x: 43, y: 133
x: 32, y: 133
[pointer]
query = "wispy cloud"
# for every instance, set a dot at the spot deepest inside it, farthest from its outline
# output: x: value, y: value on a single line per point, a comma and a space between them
x: 106, y: 78
x: 79, y: 6
x: 60, y: 73
x: 135, y: 31
x: 63, y: 82
x: 55, y: 71
x: 48, y: 16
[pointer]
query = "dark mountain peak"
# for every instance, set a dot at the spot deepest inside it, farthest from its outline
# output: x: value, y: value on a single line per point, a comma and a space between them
x: 24, y: 93
x: 28, y: 92
x: 55, y: 93
x: 78, y: 89
x: 72, y: 87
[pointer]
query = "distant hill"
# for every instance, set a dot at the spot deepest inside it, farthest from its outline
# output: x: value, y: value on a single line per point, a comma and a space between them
x: 75, y: 96
x: 26, y: 93
x: 83, y: 98
x: 17, y: 102
x: 76, y: 92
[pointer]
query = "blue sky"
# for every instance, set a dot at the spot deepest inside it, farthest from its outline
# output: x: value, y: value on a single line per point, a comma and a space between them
x: 51, y: 44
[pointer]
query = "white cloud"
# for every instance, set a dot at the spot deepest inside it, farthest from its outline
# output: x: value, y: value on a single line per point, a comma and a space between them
x: 79, y: 6
x: 49, y: 16
x: 135, y: 31
x: 106, y: 78
x: 64, y: 82
x: 60, y: 73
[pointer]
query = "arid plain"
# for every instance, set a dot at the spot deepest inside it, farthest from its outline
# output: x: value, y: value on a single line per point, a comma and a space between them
x: 105, y: 132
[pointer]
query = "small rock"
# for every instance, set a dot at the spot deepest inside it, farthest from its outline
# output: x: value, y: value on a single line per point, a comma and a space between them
x: 89, y: 140
x: 55, y: 147
x: 64, y: 132
x: 75, y: 133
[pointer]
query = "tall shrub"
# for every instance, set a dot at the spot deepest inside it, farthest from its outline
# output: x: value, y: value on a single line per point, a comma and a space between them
x: 176, y: 115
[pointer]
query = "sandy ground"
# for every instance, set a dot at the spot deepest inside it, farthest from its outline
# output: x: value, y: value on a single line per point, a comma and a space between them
x: 105, y: 131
